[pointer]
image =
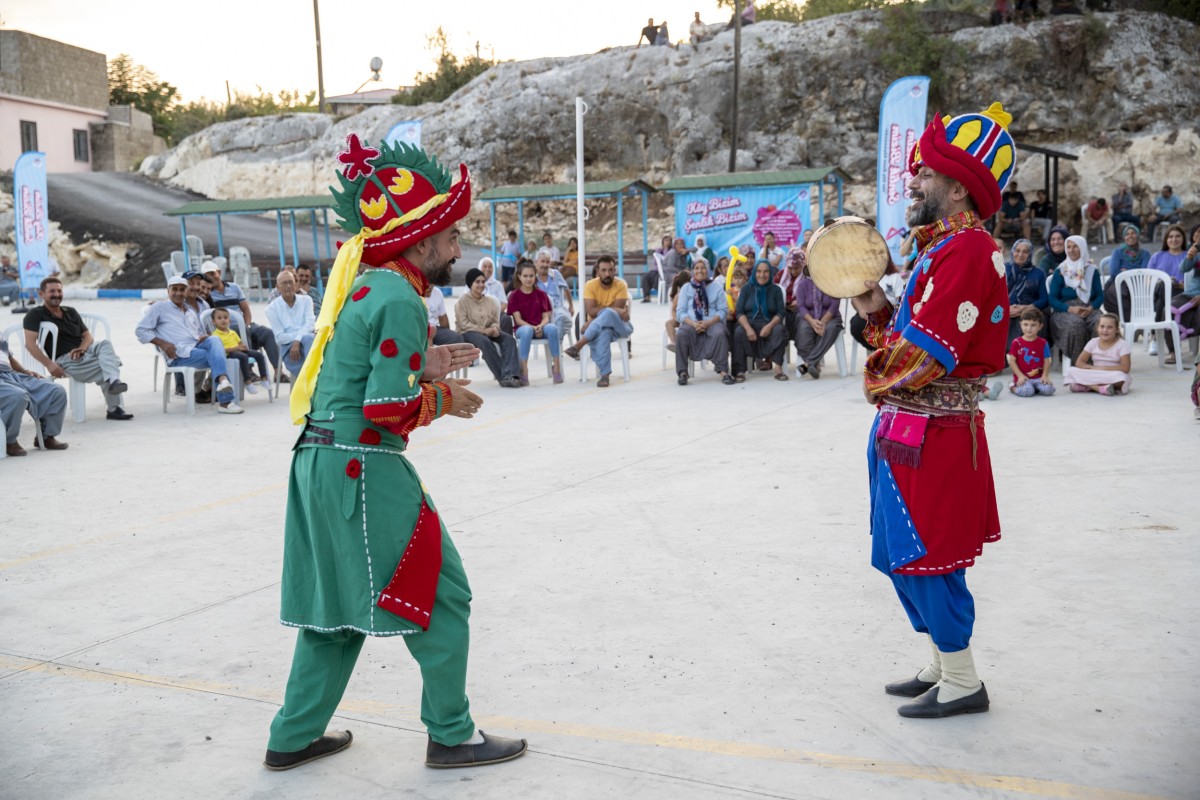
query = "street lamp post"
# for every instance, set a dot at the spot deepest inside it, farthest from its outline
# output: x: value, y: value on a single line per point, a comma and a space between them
x: 737, y: 63
x: 320, y: 71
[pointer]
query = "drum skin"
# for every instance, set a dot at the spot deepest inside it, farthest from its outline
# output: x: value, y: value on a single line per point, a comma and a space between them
x: 843, y: 255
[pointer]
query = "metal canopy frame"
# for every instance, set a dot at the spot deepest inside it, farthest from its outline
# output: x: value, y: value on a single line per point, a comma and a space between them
x: 617, y: 190
x: 1049, y: 162
x: 311, y: 204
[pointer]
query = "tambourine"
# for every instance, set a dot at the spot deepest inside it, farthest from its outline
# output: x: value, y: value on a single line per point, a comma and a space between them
x: 845, y: 254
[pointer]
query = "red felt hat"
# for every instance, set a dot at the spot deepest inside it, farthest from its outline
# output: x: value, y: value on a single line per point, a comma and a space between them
x: 397, y: 182
x: 973, y: 149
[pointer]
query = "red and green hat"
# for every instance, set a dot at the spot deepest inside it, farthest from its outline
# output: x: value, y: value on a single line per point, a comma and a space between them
x: 974, y: 149
x: 400, y: 188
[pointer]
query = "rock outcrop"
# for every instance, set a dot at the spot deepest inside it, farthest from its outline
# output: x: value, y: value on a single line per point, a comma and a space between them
x: 1122, y: 91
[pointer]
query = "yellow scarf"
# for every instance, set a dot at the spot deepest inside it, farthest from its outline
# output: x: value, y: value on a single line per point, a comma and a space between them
x: 337, y: 288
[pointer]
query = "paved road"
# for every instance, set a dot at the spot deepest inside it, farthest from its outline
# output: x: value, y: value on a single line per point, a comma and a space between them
x: 126, y: 207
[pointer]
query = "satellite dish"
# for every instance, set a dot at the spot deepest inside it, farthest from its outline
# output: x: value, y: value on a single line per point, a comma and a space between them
x: 376, y: 65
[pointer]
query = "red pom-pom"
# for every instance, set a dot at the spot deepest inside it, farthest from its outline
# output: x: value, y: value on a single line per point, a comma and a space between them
x: 354, y: 468
x: 369, y: 436
x: 360, y: 294
x: 388, y: 348
x: 414, y: 362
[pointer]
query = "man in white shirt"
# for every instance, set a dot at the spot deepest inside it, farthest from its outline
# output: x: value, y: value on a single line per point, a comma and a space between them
x: 435, y: 301
x: 293, y: 321
x: 548, y: 247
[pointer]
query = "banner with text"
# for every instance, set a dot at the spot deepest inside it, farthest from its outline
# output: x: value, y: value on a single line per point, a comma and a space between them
x: 740, y: 217
x: 901, y: 122
x: 31, y: 218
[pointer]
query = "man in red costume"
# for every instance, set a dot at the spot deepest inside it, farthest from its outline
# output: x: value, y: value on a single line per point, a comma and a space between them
x: 933, y: 503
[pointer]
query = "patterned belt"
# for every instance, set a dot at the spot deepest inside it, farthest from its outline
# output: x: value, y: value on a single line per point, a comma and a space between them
x: 314, y: 434
x: 940, y: 398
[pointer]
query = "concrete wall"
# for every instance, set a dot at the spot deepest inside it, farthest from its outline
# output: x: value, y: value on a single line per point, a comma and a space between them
x: 55, y: 126
x: 31, y: 66
x: 127, y: 137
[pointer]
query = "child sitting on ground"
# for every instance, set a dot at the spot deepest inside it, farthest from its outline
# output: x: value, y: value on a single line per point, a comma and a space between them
x: 1103, y: 366
x: 236, y: 349
x: 1028, y: 357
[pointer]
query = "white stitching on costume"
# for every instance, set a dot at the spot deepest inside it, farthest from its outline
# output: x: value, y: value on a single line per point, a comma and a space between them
x: 367, y: 544
x: 391, y: 399
x: 934, y: 336
x: 355, y: 628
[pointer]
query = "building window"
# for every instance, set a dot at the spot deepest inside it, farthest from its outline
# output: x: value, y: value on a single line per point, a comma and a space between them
x: 28, y: 136
x: 81, y: 145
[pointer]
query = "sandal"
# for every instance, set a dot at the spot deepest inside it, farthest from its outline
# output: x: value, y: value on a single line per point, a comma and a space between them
x: 727, y: 379
x: 781, y: 376
x: 603, y: 382
x: 739, y: 378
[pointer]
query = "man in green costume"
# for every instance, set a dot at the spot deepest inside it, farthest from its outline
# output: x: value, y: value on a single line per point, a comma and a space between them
x: 365, y: 552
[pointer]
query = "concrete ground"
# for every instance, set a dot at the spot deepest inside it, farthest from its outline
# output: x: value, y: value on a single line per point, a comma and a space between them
x: 672, y: 600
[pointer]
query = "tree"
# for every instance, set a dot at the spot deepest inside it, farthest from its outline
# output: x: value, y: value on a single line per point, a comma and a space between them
x: 130, y: 84
x: 450, y: 75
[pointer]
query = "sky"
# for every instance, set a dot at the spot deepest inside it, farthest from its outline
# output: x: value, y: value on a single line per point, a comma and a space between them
x: 271, y: 43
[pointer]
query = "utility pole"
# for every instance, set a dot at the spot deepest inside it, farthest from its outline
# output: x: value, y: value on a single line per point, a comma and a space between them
x: 737, y: 63
x: 320, y: 71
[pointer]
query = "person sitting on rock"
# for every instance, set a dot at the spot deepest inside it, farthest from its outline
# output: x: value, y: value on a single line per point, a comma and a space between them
x: 649, y: 33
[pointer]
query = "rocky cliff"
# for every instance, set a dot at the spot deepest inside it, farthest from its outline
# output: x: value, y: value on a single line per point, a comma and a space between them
x: 1121, y: 91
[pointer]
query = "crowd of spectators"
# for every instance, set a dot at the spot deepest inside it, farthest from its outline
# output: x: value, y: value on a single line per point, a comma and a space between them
x: 658, y: 35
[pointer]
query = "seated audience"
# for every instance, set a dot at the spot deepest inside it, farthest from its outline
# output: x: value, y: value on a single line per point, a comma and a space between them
x: 570, y: 263
x: 20, y: 390
x: 697, y: 31
x: 231, y: 296
x: 700, y: 313
x: 1041, y: 215
x: 10, y: 282
x: 532, y: 313
x: 1097, y: 214
x: 672, y: 324
x: 76, y: 353
x: 819, y: 321
x: 305, y: 285
x: 510, y: 251
x: 292, y: 319
x: 531, y: 251
x: 439, y: 320
x: 1122, y: 209
x: 771, y: 252
x: 788, y: 280
x: 1056, y: 249
x: 1012, y: 216
x: 649, y: 33
x: 1185, y: 305
x: 760, y: 332
x: 675, y: 261
x: 1128, y: 256
x: 1170, y: 258
x: 1166, y: 209
x: 174, y: 327
x: 275, y: 289
x: 1075, y: 297
x: 555, y: 285
x: 236, y: 349
x: 1103, y: 365
x: 702, y: 250
x: 548, y: 247
x: 477, y: 318
x: 605, y: 316
x: 1026, y: 288
x: 492, y: 287
x: 1029, y: 357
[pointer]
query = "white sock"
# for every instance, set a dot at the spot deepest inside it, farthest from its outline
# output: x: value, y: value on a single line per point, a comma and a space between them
x: 933, y: 672
x: 958, y: 676
x: 476, y: 739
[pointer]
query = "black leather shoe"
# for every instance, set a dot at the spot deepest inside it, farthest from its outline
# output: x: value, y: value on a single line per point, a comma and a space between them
x: 683, y: 378
x: 928, y: 707
x: 327, y: 745
x: 494, y: 750
x: 118, y: 413
x: 913, y: 687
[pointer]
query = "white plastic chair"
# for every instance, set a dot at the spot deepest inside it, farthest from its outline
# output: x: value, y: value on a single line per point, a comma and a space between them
x: 178, y: 262
x: 189, y: 382
x: 622, y: 344
x: 1142, y: 284
x: 663, y: 288
x: 76, y: 390
x: 195, y: 251
x: 16, y: 334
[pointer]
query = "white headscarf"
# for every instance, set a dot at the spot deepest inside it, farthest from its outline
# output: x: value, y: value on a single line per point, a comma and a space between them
x: 1078, y: 274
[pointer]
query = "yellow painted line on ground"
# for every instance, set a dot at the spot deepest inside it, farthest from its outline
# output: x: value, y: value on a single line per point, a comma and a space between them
x: 892, y: 769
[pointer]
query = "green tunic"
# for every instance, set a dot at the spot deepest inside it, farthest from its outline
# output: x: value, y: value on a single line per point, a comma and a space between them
x: 353, y: 498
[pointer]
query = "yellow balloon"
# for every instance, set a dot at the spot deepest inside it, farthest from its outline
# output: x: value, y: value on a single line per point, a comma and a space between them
x: 735, y: 258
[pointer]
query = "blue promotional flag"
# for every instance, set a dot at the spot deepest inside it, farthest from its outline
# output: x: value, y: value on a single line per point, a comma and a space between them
x: 901, y: 122
x: 32, y: 220
x: 408, y: 132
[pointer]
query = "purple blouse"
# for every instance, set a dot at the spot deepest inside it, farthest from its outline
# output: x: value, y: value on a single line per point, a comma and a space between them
x: 812, y: 301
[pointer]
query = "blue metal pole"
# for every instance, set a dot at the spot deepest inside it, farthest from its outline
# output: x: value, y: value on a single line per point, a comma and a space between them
x: 295, y: 243
x: 279, y: 229
x: 492, y: 217
x: 316, y: 249
x: 820, y: 204
x: 187, y: 262
x: 220, y: 239
x: 328, y: 246
x: 839, y: 185
x: 621, y: 235
x: 521, y: 223
x: 645, y: 223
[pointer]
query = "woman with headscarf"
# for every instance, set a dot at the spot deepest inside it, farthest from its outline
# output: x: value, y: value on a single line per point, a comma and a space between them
x: 1026, y: 287
x: 818, y: 323
x: 1075, y: 298
x: 477, y: 318
x: 702, y: 250
x: 759, y: 332
x: 1186, y: 304
x: 700, y: 312
x: 1056, y: 251
x: 492, y: 287
x: 1128, y: 256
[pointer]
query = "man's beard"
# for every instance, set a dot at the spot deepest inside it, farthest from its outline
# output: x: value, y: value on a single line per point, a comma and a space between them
x: 606, y: 281
x: 436, y: 270
x: 924, y: 212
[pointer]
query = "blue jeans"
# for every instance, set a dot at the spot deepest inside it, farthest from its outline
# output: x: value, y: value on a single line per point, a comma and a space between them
x: 293, y: 367
x: 607, y: 326
x: 210, y: 355
x: 524, y: 336
x: 9, y: 289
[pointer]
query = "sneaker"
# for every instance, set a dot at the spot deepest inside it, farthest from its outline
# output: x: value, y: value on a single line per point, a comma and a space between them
x: 224, y: 385
x: 230, y: 408
x: 1153, y: 347
x: 251, y: 387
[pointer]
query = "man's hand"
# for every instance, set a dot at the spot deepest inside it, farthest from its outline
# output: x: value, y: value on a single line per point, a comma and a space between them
x: 169, y: 351
x: 295, y: 351
x: 77, y: 353
x: 55, y: 370
x: 242, y: 346
x: 463, y: 402
x: 870, y: 301
x: 441, y: 360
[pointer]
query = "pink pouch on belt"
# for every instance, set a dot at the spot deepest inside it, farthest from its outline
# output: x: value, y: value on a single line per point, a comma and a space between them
x: 899, y: 436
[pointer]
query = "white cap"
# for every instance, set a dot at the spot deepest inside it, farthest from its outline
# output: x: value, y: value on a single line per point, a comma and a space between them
x: 210, y: 266
x: 176, y: 280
